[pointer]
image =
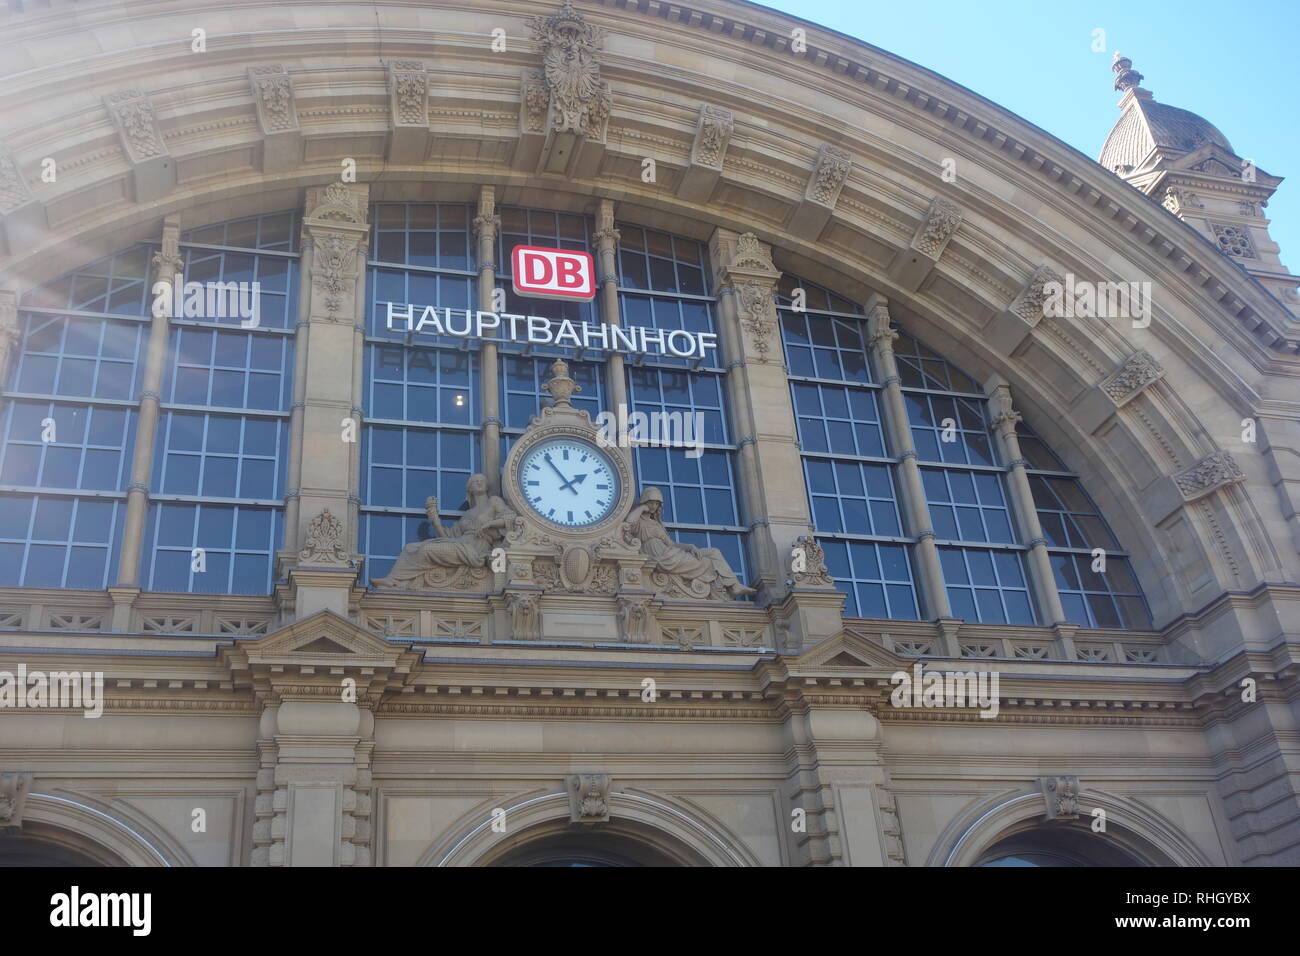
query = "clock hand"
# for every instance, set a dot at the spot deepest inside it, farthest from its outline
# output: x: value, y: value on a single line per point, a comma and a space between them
x: 554, y: 469
x: 577, y: 480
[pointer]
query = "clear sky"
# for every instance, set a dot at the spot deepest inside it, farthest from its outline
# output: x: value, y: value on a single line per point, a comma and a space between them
x: 1236, y: 64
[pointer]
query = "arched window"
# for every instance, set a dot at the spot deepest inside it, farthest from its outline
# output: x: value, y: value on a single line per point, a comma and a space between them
x: 422, y: 413
x: 854, y: 491
x: 663, y: 284
x: 217, y: 492
x: 849, y: 471
x: 69, y: 424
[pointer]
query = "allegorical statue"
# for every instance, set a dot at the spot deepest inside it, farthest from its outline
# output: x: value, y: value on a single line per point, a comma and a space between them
x: 688, y: 561
x: 467, y: 543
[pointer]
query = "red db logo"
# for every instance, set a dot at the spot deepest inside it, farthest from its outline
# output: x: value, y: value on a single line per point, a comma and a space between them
x: 554, y: 273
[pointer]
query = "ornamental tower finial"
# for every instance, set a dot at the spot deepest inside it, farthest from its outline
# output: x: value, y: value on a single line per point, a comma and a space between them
x: 1126, y: 78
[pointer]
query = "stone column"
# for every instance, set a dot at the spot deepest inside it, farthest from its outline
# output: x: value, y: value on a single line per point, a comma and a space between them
x: 1004, y: 418
x: 302, y: 333
x: 9, y: 334
x: 606, y: 237
x: 167, y: 264
x: 771, y: 473
x: 486, y: 224
x: 911, y: 490
x: 319, y: 558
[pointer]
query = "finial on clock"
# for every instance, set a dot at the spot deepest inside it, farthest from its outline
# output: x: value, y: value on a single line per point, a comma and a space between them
x: 561, y: 386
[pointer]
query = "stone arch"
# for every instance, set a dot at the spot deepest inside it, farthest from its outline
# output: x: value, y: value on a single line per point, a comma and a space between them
x: 663, y: 829
x: 1027, y: 200
x: 83, y: 830
x: 1142, y: 833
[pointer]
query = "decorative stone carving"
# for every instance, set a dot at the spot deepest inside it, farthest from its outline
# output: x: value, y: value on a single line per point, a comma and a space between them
x: 561, y: 385
x: 684, y: 569
x: 828, y: 175
x: 1028, y: 305
x: 754, y: 305
x: 133, y: 115
x: 1138, y: 371
x: 273, y: 94
x: 1176, y: 200
x: 588, y: 797
x: 1233, y: 241
x: 814, y: 573
x: 634, y: 620
x: 338, y: 203
x: 941, y: 221
x: 579, y: 98
x: 14, y: 191
x: 525, y: 616
x: 9, y: 334
x: 13, y: 798
x: 1061, y: 796
x: 408, y: 86
x: 605, y: 231
x: 751, y: 254
x: 324, y: 541
x: 334, y: 269
x: 1002, y: 413
x: 1209, y: 474
x: 712, y: 134
x: 536, y: 102
x: 455, y: 557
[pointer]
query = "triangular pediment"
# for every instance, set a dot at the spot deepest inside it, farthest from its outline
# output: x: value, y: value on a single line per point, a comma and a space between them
x: 324, y: 635
x: 847, y: 650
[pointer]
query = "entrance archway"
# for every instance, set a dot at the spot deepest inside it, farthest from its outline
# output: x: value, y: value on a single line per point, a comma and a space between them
x: 615, y: 844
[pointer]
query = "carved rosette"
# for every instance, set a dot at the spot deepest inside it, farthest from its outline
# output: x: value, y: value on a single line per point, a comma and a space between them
x: 1211, y: 473
x: 577, y: 99
x: 14, y: 191
x: 941, y: 221
x: 828, y: 175
x: 1028, y: 305
x: 1138, y: 371
x: 712, y: 134
x: 133, y: 115
x: 273, y: 93
x: 324, y: 541
x: 408, y: 87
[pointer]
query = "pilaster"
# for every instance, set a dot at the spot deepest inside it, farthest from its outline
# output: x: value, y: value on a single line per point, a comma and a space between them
x: 606, y: 238
x: 1004, y: 418
x: 167, y: 263
x: 916, y: 513
x: 486, y: 224
x: 771, y: 472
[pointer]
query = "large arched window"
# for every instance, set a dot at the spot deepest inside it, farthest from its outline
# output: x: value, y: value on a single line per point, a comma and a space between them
x: 849, y: 471
x: 222, y: 444
x: 422, y: 413
x: 69, y: 424
x: 854, y: 491
x: 664, y: 284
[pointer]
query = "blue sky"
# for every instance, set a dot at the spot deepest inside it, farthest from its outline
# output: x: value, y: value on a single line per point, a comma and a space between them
x: 1237, y: 65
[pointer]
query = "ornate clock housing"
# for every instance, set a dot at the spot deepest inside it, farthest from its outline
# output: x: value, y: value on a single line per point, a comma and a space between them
x: 569, y: 482
x: 560, y: 477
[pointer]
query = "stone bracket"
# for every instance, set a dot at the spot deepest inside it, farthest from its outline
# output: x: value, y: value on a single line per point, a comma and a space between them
x: 708, y: 150
x: 152, y: 176
x: 14, y: 787
x: 1128, y: 381
x: 826, y: 181
x: 913, y: 264
x: 408, y: 98
x: 1009, y: 328
x: 277, y: 116
x: 1061, y: 797
x: 588, y: 797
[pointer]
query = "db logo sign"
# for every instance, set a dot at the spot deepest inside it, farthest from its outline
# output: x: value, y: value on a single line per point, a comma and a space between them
x: 554, y: 273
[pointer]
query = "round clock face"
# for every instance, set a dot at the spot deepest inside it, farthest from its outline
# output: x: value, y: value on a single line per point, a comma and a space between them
x: 569, y: 482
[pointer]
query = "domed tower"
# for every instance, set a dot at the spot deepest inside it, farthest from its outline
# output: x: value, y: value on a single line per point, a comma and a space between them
x: 1183, y: 160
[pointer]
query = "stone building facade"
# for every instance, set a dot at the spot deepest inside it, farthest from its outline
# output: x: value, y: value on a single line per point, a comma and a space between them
x: 324, y: 642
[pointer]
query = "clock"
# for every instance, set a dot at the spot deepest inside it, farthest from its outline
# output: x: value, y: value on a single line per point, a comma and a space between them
x: 569, y: 482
